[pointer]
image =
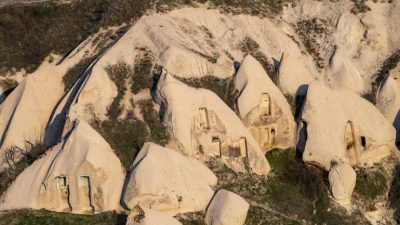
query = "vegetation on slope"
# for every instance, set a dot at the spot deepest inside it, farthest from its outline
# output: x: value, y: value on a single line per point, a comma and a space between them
x: 224, y: 88
x: 18, y: 160
x: 250, y: 47
x: 128, y: 134
x: 310, y: 32
x: 380, y: 76
x: 158, y: 131
x: 44, y: 217
x: 293, y: 192
x: 28, y: 33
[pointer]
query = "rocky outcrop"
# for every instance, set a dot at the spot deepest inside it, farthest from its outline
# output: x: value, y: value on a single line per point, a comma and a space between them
x: 342, y: 180
x: 80, y: 175
x: 340, y: 125
x: 227, y: 208
x: 388, y: 102
x: 164, y: 180
x: 144, y: 216
x: 203, y: 126
x: 263, y: 108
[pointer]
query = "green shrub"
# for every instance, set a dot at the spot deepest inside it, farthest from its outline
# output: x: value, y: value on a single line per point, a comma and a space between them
x: 125, y: 136
x: 7, y: 84
x: 158, y: 131
x: 118, y: 73
x: 224, y: 88
x: 370, y: 183
x: 142, y: 75
x: 73, y: 73
x: 293, y: 189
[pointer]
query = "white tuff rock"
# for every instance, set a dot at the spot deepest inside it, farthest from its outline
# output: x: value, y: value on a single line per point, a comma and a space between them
x: 80, y: 175
x: 203, y: 126
x: 167, y: 181
x: 263, y: 108
x: 227, y: 208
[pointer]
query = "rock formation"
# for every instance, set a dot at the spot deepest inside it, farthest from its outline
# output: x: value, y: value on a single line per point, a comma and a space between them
x: 342, y: 180
x: 340, y: 125
x: 164, y: 180
x: 263, y: 108
x: 227, y: 208
x: 203, y: 126
x: 80, y: 175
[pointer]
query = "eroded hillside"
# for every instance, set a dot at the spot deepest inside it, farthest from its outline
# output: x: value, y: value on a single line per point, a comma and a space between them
x: 199, y: 112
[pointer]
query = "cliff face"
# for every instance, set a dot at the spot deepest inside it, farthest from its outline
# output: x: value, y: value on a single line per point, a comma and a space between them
x: 218, y: 84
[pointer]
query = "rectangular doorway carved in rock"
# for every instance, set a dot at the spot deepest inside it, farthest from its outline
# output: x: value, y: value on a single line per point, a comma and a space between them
x: 85, y: 194
x: 62, y: 194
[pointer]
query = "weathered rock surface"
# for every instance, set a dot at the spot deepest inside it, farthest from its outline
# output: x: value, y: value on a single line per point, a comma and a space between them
x: 203, y: 126
x: 80, y: 175
x: 167, y: 181
x: 227, y: 208
x: 340, y: 125
x: 263, y: 108
x: 388, y: 102
x: 342, y: 180
x: 144, y: 216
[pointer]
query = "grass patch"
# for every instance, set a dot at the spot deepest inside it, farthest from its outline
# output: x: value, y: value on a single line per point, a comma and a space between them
x: 260, y: 216
x: 158, y: 131
x: 125, y: 136
x: 370, y: 183
x: 44, y: 217
x: 224, y: 88
x: 293, y: 190
x: 29, y: 33
x: 250, y: 47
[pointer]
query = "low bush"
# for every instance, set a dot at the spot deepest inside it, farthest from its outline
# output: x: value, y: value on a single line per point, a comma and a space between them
x: 8, y: 84
x: 18, y: 160
x: 293, y: 190
x: 142, y: 77
x: 118, y: 73
x: 125, y: 136
x: 158, y: 131
x: 370, y: 183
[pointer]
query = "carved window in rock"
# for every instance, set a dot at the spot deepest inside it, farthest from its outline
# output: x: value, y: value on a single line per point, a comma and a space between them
x: 350, y: 142
x: 363, y: 142
x: 84, y: 181
x: 62, y: 182
x: 203, y: 118
x: 265, y: 106
x: 215, y: 147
